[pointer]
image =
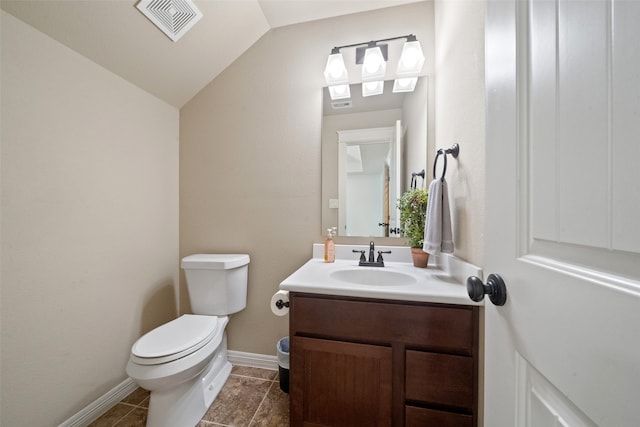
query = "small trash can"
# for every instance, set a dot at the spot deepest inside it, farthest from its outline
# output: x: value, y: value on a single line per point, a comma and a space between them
x: 283, y: 363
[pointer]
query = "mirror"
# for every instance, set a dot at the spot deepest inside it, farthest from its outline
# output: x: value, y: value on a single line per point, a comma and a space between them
x: 370, y: 147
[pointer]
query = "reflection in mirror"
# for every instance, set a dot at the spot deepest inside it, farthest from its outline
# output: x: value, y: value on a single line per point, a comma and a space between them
x: 370, y: 147
x: 368, y: 180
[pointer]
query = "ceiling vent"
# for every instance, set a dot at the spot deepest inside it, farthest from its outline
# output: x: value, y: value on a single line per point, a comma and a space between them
x: 337, y: 105
x: 173, y: 17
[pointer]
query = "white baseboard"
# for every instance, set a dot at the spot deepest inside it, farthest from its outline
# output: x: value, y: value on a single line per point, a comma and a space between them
x: 101, y: 405
x: 253, y: 360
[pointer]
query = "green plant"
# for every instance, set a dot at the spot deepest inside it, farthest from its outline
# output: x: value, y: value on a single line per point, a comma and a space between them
x: 413, y: 214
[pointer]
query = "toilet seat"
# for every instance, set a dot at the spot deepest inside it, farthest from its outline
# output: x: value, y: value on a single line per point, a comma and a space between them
x: 175, y: 339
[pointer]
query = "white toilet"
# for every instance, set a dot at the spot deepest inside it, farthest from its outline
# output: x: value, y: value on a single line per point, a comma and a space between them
x: 184, y: 362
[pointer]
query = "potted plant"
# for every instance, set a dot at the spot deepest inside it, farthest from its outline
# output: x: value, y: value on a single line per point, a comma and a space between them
x: 413, y: 214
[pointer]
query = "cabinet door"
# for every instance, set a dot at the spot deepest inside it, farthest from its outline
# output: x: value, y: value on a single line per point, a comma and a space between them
x: 422, y: 417
x: 336, y: 383
x: 441, y: 379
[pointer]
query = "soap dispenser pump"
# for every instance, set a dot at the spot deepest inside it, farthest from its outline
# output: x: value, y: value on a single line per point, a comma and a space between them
x: 329, y: 247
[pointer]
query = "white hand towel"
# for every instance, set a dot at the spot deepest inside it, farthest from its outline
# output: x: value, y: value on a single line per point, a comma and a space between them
x: 447, y: 234
x: 433, y: 227
x: 437, y: 232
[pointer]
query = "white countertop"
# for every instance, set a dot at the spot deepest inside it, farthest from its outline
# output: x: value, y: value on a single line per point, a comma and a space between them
x: 443, y: 282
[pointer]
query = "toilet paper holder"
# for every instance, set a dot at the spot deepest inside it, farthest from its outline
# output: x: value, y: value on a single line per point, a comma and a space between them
x: 280, y: 304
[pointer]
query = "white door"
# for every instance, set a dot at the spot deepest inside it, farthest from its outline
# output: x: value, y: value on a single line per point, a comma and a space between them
x: 563, y: 209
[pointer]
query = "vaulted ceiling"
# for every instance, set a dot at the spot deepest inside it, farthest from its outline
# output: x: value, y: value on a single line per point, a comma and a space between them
x: 114, y: 34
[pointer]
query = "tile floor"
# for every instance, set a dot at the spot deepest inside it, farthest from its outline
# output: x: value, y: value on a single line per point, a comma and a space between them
x: 251, y: 397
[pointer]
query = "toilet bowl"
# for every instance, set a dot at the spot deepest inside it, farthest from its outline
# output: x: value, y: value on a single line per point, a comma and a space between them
x: 183, y: 363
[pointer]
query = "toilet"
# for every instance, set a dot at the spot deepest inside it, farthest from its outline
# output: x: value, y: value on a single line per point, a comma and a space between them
x: 183, y: 363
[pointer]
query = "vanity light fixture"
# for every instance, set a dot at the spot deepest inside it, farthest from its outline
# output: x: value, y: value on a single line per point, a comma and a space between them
x: 339, y: 91
x: 411, y: 59
x: 335, y: 72
x: 373, y: 56
x: 374, y: 64
x: 405, y: 84
x: 372, y: 88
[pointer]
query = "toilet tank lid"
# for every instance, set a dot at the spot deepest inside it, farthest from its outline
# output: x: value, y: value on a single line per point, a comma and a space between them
x: 215, y: 261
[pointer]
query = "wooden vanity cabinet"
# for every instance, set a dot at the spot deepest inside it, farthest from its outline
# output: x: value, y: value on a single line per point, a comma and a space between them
x: 370, y: 362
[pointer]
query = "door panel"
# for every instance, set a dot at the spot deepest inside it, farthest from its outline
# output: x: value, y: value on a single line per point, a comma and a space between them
x: 582, y: 133
x: 625, y: 127
x: 541, y: 404
x: 562, y: 106
x: 343, y: 384
x: 578, y: 125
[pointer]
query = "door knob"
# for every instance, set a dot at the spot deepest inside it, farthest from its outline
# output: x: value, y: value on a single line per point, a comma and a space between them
x: 495, y: 288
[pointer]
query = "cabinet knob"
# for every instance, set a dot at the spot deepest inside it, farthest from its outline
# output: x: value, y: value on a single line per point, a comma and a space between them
x: 495, y: 288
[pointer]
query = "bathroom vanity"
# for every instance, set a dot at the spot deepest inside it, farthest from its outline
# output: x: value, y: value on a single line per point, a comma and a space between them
x: 383, y: 353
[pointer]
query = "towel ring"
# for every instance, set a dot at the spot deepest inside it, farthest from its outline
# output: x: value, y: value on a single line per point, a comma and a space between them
x: 435, y: 162
x: 414, y: 178
x: 454, y: 151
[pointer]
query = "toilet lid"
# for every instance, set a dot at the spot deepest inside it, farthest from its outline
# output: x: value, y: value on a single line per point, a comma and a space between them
x: 178, y: 338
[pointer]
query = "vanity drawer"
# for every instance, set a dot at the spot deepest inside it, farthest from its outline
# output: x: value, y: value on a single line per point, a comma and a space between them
x: 421, y: 417
x: 438, y: 327
x: 440, y: 379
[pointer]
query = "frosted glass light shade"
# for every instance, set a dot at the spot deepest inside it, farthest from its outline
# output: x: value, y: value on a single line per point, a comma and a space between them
x: 372, y: 88
x: 374, y: 66
x: 339, y: 92
x: 406, y: 84
x: 411, y: 59
x: 335, y: 72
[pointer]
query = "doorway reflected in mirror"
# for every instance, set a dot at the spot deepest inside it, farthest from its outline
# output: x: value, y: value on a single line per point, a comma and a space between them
x: 370, y: 146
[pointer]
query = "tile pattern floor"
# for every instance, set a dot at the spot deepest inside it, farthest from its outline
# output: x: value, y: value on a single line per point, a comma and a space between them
x: 251, y: 397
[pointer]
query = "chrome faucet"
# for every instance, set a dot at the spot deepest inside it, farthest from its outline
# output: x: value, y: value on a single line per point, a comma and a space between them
x: 373, y: 262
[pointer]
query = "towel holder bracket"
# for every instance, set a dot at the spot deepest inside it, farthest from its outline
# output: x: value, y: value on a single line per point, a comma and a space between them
x: 414, y: 178
x: 454, y: 151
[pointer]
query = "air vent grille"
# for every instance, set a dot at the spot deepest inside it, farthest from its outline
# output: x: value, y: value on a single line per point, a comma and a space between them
x: 337, y: 105
x: 173, y: 17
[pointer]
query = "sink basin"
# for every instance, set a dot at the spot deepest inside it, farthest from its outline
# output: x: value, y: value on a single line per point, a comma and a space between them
x: 376, y: 276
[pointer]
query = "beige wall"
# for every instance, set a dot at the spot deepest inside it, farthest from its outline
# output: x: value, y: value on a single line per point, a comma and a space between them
x: 415, y: 115
x: 250, y: 158
x: 89, y: 225
x: 460, y: 117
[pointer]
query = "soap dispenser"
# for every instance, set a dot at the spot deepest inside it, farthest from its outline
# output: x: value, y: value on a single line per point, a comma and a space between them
x: 329, y: 247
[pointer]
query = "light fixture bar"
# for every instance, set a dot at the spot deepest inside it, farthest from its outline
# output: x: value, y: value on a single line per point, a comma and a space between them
x: 409, y: 37
x: 361, y: 51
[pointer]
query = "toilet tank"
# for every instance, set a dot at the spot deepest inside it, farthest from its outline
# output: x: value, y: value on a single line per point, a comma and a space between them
x: 217, y: 283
